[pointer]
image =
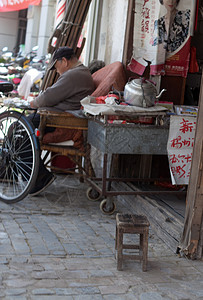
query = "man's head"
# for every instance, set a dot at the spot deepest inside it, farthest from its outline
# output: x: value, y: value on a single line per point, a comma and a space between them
x: 62, y: 59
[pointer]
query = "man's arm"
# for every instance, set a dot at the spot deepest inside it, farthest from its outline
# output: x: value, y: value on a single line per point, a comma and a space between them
x: 54, y: 94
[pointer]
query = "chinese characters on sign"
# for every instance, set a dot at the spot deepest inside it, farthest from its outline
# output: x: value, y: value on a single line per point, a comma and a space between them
x: 162, y: 34
x: 180, y: 147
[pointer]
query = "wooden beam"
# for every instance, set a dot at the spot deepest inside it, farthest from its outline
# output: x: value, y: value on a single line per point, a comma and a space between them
x: 191, y: 237
x: 67, y: 34
x: 128, y: 42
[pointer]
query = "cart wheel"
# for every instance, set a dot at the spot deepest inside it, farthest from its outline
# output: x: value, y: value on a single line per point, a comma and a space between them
x: 19, y: 156
x: 104, y: 208
x: 92, y: 194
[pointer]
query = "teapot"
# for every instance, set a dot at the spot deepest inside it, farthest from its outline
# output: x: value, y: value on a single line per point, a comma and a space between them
x: 141, y: 92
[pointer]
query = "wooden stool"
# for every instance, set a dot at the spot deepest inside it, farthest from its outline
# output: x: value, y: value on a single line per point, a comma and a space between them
x: 132, y: 224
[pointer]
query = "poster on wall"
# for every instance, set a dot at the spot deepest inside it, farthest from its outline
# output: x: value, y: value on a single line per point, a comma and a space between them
x: 13, y: 5
x: 162, y: 34
x: 180, y: 147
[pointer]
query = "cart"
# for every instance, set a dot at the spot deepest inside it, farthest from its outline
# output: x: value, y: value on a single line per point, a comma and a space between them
x: 18, y: 172
x: 128, y: 138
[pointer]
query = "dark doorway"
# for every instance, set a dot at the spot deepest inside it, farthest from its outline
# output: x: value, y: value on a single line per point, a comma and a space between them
x: 22, y: 25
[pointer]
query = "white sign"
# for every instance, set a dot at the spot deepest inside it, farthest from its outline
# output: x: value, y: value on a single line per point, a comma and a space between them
x: 180, y: 147
x: 162, y: 34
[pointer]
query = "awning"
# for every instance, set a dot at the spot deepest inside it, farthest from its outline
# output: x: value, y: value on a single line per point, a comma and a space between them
x: 12, y: 5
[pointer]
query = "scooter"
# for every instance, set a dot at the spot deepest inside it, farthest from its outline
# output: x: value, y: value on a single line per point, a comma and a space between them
x: 5, y: 55
x: 5, y: 88
x: 5, y: 60
x: 25, y: 61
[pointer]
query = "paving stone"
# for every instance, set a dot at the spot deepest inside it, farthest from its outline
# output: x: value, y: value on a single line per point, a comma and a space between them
x: 88, y: 297
x: 36, y: 244
x: 150, y: 296
x: 83, y: 265
x: 114, y: 289
x: 18, y: 283
x: 15, y: 292
x: 13, y: 229
x: 121, y: 297
x: 51, y: 283
x: 101, y: 273
x: 196, y: 293
x: 27, y: 227
x: 3, y: 268
x: 47, y: 234
x: 72, y: 249
x: 59, y: 246
x: 21, y: 297
x: 54, y: 266
x: 105, y: 252
x: 19, y: 259
x: 4, y: 260
x: 2, y: 292
x: 88, y: 290
x: 58, y: 252
x: 50, y: 297
x: 90, y: 253
x: 65, y: 291
x: 95, y: 282
x: 44, y: 275
x: 20, y: 246
x: 6, y: 249
x: 37, y: 268
x: 43, y: 292
x: 3, y: 235
x: 67, y: 274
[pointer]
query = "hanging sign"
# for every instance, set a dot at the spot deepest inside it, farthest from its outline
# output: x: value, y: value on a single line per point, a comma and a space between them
x: 180, y: 147
x: 162, y: 34
x: 13, y: 5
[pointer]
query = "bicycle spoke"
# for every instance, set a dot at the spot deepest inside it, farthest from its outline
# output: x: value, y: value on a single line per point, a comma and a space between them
x: 19, y: 157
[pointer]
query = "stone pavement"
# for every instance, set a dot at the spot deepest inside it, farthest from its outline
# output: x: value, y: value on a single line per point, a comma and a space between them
x: 59, y: 245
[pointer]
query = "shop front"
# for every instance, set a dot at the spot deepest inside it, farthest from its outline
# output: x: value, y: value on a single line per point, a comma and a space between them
x: 155, y: 50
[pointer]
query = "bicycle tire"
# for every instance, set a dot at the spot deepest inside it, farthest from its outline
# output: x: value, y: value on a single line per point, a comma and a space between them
x: 19, y: 156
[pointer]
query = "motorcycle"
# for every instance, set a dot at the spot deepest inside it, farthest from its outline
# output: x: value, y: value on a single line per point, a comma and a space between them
x: 5, y: 55
x: 25, y: 61
x: 5, y: 88
x: 5, y: 60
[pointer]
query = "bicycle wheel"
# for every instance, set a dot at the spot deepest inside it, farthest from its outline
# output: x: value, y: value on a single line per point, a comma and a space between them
x: 19, y: 156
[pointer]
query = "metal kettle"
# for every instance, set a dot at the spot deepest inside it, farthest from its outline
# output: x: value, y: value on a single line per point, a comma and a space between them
x: 141, y: 92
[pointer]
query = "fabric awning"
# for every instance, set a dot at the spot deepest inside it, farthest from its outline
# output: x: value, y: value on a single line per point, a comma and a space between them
x: 12, y: 5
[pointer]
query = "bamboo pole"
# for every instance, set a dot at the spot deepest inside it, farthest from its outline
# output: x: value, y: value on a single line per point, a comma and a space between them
x: 67, y: 34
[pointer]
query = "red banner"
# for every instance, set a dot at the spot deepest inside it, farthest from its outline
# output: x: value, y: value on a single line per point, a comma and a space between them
x: 12, y: 5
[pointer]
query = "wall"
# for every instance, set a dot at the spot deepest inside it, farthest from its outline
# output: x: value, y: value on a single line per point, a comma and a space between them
x: 46, y: 25
x: 33, y: 18
x: 8, y: 29
x: 112, y: 30
x: 108, y: 43
x: 40, y: 26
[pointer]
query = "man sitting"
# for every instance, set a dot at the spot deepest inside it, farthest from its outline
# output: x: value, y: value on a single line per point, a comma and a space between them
x: 74, y: 83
